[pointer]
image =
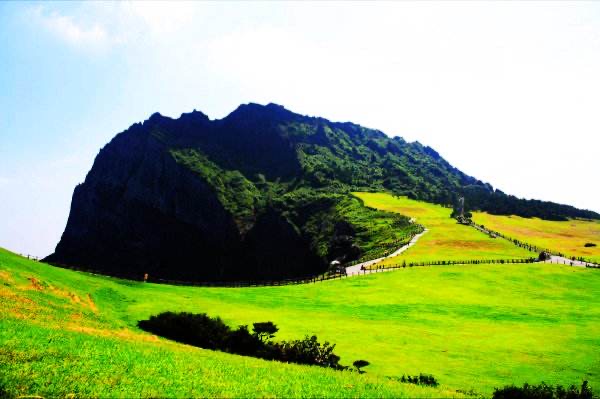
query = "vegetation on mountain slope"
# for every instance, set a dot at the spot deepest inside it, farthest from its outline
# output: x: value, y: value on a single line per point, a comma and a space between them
x: 499, y: 203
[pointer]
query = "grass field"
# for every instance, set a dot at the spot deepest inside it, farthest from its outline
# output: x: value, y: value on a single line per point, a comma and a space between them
x: 565, y: 237
x: 473, y: 327
x: 65, y: 332
x: 446, y: 239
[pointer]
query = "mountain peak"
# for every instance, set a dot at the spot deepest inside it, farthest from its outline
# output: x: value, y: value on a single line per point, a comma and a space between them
x: 195, y: 115
x: 254, y: 109
x: 155, y: 116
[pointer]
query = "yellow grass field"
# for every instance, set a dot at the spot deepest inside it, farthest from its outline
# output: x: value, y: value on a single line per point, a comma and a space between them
x: 446, y: 239
x: 565, y: 237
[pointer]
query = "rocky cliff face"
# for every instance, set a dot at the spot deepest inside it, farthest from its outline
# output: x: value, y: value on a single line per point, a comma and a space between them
x: 140, y: 211
x: 250, y: 196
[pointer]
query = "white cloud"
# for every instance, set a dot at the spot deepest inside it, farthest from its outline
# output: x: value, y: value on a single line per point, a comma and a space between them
x: 68, y: 29
x: 98, y: 25
x: 159, y: 17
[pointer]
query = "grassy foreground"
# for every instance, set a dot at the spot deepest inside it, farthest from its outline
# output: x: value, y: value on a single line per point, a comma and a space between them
x: 566, y: 237
x: 473, y: 327
x: 68, y: 333
x: 446, y: 239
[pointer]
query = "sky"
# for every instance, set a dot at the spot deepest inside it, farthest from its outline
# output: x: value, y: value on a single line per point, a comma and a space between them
x: 508, y: 92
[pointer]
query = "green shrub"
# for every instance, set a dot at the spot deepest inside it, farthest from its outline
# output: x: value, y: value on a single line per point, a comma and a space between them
x: 242, y: 342
x: 309, y: 351
x: 264, y: 331
x: 3, y: 392
x: 543, y: 391
x: 360, y: 364
x: 192, y: 329
x: 421, y: 379
x: 211, y: 333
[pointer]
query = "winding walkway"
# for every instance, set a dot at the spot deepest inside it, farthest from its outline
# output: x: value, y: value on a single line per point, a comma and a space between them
x: 356, y: 269
x: 567, y: 261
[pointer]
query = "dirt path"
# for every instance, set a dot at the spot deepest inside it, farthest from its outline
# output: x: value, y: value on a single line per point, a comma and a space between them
x: 356, y: 269
x: 566, y: 261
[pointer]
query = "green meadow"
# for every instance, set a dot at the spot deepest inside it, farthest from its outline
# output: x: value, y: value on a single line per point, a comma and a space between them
x: 472, y: 327
x: 71, y: 334
x: 446, y: 239
x: 566, y: 237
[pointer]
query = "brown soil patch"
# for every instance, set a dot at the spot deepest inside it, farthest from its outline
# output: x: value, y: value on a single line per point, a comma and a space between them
x: 123, y: 334
x: 39, y: 285
x: 17, y: 306
x: 35, y: 284
x: 74, y: 297
x: 91, y: 304
x: 76, y: 316
x: 5, y: 276
x: 9, y: 294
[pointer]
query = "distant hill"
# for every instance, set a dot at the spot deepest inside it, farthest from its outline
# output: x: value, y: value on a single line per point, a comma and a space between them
x: 261, y: 193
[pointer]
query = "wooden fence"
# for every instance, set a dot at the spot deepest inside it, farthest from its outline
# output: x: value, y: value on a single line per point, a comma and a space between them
x: 318, y: 278
x: 455, y: 262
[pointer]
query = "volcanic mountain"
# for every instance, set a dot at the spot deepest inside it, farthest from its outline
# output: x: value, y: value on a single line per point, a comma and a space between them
x: 262, y: 193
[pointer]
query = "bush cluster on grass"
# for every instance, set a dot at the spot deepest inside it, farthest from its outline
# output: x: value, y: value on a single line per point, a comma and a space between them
x: 307, y: 351
x: 359, y: 364
x: 192, y: 329
x: 421, y: 379
x: 211, y: 333
x: 544, y: 391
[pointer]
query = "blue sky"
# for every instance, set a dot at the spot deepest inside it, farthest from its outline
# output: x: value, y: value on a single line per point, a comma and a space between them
x: 506, y: 91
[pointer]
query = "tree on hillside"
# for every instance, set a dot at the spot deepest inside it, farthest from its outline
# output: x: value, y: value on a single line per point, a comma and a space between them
x: 264, y: 330
x: 360, y: 364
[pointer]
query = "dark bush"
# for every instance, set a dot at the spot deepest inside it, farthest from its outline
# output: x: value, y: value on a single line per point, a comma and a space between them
x: 211, y: 333
x: 264, y: 331
x: 241, y: 342
x: 309, y: 351
x: 3, y: 392
x: 543, y: 391
x: 421, y: 379
x: 188, y: 328
x: 359, y: 364
x: 589, y: 244
x: 427, y: 379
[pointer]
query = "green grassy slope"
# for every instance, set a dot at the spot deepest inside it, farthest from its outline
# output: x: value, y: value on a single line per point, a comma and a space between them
x: 471, y: 326
x: 446, y: 239
x: 64, y: 332
x: 567, y: 237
